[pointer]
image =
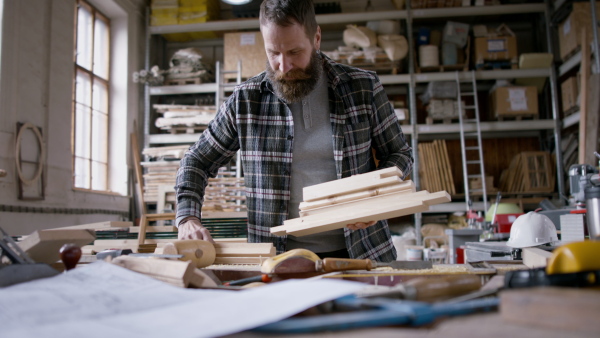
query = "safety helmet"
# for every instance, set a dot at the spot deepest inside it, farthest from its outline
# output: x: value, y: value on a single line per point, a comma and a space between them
x: 532, y: 229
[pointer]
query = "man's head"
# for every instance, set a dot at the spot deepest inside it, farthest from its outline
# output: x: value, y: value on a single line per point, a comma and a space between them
x: 292, y: 38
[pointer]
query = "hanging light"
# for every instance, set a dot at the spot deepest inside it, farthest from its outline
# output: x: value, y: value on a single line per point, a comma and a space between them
x: 236, y: 2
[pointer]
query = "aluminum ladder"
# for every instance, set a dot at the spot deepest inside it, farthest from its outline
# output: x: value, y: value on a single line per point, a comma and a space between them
x: 470, y: 129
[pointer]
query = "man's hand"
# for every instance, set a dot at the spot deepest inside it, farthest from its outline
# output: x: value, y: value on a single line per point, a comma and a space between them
x: 192, y: 228
x: 360, y: 225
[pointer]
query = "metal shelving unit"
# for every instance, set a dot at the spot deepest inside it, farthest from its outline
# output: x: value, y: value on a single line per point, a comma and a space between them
x: 410, y: 79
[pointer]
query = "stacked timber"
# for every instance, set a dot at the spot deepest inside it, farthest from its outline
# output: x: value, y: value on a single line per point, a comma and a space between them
x: 373, y: 196
x: 530, y: 172
x: 184, y: 118
x: 435, y: 170
x: 225, y: 192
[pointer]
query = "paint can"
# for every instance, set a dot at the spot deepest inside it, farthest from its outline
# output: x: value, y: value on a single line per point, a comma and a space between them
x: 414, y: 253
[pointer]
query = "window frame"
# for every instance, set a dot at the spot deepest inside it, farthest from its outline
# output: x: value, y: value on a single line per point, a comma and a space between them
x: 106, y: 83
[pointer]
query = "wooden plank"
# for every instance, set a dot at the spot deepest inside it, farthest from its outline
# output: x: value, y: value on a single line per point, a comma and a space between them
x: 375, y: 213
x: 200, y: 279
x: 244, y: 249
x: 400, y: 186
x: 155, y: 228
x: 108, y: 225
x: 43, y: 245
x: 535, y: 257
x: 175, y: 272
x: 354, y: 183
x: 342, y: 207
x: 568, y: 309
x: 452, y: 188
x: 406, y: 186
x: 422, y: 171
x: 137, y: 168
x: 373, y: 209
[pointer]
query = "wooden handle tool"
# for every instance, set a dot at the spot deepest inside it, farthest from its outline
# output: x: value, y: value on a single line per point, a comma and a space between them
x: 201, y: 253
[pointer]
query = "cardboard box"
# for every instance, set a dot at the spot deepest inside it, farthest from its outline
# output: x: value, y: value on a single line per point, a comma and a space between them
x: 570, y: 92
x: 248, y: 47
x: 496, y: 48
x: 514, y: 101
x: 569, y: 31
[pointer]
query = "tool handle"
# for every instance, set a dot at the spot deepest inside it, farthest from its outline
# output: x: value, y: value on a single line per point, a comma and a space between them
x: 70, y: 254
x: 259, y: 278
x: 438, y: 288
x: 342, y: 264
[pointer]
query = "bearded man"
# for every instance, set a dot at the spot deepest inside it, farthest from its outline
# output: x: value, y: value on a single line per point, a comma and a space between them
x: 305, y: 120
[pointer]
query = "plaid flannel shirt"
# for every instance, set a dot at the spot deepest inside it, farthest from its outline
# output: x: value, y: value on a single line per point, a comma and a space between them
x: 255, y: 122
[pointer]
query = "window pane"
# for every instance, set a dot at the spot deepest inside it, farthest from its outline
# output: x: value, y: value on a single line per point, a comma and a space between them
x: 82, y: 169
x: 84, y: 38
x: 83, y: 89
x: 99, y: 137
x: 99, y: 176
x: 83, y: 129
x: 101, y: 49
x: 100, y: 100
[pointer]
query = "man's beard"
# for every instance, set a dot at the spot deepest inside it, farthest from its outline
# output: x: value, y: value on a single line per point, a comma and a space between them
x: 304, y: 80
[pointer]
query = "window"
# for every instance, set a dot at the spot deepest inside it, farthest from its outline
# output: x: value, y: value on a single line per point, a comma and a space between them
x: 91, y: 99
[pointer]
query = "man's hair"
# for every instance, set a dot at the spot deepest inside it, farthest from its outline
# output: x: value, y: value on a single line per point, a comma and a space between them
x: 288, y: 12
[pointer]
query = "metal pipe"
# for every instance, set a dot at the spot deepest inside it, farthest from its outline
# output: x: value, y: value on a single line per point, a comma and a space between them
x: 595, y: 33
x: 555, y: 113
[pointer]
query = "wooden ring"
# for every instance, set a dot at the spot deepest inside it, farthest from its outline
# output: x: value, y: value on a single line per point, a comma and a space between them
x: 38, y: 172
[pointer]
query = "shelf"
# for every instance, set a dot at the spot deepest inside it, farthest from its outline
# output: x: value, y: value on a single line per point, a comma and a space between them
x: 571, y: 120
x: 323, y: 19
x: 486, y: 127
x: 496, y: 126
x: 484, y: 75
x: 184, y: 89
x: 173, y: 138
x: 571, y: 63
x: 385, y: 80
x: 449, y: 12
x: 455, y: 207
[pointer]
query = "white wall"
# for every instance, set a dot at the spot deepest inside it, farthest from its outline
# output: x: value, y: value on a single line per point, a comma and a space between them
x: 36, y: 86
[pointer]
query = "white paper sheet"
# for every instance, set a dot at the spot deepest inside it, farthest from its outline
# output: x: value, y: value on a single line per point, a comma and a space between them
x: 104, y: 300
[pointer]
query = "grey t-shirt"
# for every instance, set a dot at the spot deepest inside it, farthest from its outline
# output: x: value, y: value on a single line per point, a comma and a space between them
x: 312, y: 163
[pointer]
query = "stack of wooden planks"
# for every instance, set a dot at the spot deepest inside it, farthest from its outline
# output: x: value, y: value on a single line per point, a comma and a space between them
x: 367, y: 197
x: 184, y: 118
x: 223, y: 193
x: 435, y: 170
x: 530, y: 172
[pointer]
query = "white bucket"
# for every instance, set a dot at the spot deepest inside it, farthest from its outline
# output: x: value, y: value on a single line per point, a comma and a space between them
x: 414, y: 253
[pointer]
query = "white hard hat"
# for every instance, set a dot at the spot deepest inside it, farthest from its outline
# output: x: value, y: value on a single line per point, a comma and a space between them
x: 532, y: 229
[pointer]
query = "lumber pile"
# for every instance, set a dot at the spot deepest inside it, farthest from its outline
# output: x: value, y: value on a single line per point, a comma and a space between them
x: 367, y: 197
x: 184, y: 118
x: 225, y: 192
x: 530, y: 172
x: 435, y: 170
